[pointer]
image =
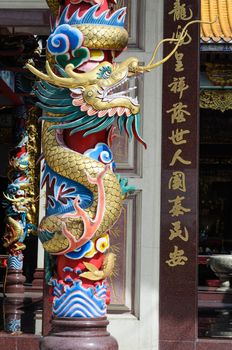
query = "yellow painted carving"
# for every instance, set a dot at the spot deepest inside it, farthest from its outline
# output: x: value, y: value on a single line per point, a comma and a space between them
x: 178, y: 113
x: 218, y: 100
x: 94, y: 274
x: 178, y: 86
x: 177, y: 137
x: 177, y: 181
x: 178, y: 232
x: 179, y: 67
x: 177, y: 157
x: 179, y: 12
x: 177, y: 208
x: 177, y: 258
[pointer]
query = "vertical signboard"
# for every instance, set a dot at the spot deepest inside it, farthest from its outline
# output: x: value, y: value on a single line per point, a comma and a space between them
x: 178, y: 254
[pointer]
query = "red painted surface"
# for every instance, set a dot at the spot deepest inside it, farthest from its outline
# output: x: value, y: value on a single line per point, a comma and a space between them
x: 78, y: 264
x: 6, y: 91
x: 79, y: 143
x: 74, y: 4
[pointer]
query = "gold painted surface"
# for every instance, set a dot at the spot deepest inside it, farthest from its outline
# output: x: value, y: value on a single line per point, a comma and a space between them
x: 54, y: 6
x: 14, y: 232
x: 220, y: 30
x: 90, y: 83
x: 94, y: 274
x: 104, y: 37
x: 33, y: 168
x: 219, y: 74
x: 77, y: 167
x: 218, y: 100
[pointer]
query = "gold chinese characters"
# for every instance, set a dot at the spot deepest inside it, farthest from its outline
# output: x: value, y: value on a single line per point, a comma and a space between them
x: 180, y: 135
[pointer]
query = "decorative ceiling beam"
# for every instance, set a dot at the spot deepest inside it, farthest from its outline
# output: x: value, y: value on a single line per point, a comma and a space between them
x: 25, y: 17
x: 220, y: 100
x: 15, y: 99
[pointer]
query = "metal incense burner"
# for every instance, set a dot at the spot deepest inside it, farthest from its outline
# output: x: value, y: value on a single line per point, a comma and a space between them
x: 221, y: 264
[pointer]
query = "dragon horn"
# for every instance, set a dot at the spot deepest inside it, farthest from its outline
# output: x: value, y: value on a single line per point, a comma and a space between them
x: 179, y: 41
x: 51, y: 77
x: 56, y: 79
x: 7, y: 197
x: 72, y: 81
x: 12, y: 199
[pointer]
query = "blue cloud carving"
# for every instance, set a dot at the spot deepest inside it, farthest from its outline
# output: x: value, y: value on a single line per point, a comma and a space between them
x: 64, y: 39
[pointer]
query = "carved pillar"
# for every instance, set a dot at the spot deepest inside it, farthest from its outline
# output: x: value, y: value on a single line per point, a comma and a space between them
x: 12, y: 315
x: 20, y: 197
x: 15, y: 204
x: 79, y: 333
x: 14, y: 274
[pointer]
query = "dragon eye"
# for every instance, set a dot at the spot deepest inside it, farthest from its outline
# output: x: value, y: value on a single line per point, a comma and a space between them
x: 104, y: 72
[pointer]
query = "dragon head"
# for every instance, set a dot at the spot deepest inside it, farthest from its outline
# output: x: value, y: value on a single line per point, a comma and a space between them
x: 104, y: 90
x: 95, y: 91
x: 91, y: 100
x: 97, y: 86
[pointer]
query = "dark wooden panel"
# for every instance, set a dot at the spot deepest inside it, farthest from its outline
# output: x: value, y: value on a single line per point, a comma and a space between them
x: 25, y: 17
x: 179, y: 212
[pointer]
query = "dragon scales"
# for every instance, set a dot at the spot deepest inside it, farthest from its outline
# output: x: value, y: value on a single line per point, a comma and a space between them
x: 81, y: 94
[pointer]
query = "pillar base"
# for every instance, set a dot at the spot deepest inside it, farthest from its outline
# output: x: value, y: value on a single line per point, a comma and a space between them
x: 38, y: 280
x: 79, y: 334
x: 14, y: 282
x: 12, y: 314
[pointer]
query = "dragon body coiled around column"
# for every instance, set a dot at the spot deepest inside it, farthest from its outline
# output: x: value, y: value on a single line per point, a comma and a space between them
x: 78, y: 167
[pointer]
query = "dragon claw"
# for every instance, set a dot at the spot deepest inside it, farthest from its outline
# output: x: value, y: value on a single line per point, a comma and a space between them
x: 90, y: 225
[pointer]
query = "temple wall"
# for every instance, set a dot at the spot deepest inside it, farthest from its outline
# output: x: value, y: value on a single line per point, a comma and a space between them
x: 26, y: 4
x: 139, y: 328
